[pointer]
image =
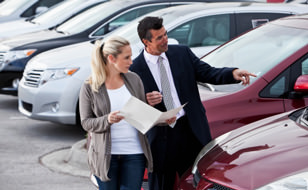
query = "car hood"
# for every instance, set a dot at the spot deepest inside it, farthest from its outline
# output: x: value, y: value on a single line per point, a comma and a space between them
x: 25, y: 39
x: 8, y: 18
x: 67, y: 56
x: 258, y: 154
x: 18, y: 27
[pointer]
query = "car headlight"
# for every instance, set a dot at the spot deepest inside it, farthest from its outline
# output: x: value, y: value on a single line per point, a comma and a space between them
x: 204, y: 151
x: 56, y: 74
x: 10, y: 56
x: 18, y: 54
x: 295, y: 182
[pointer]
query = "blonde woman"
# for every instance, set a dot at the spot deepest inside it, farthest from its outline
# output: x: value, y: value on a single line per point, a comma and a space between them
x: 118, y: 153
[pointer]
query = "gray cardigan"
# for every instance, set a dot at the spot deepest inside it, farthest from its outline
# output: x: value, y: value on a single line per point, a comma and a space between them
x: 94, y: 109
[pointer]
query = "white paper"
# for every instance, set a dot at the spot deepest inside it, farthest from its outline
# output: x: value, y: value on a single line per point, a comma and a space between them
x: 143, y: 116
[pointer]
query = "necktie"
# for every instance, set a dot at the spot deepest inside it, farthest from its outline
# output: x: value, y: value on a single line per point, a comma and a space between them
x: 165, y: 85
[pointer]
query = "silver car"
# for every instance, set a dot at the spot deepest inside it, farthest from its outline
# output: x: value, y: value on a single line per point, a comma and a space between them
x: 50, y: 18
x: 21, y: 9
x: 49, y: 89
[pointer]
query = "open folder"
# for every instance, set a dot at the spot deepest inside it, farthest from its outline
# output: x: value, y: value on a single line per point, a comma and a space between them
x: 143, y: 116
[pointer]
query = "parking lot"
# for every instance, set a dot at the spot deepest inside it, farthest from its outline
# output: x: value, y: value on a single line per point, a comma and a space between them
x: 24, y: 141
x: 47, y: 76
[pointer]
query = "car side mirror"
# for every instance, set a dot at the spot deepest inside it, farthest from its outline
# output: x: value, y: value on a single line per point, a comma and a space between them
x: 39, y: 10
x: 301, y: 84
x: 300, y: 88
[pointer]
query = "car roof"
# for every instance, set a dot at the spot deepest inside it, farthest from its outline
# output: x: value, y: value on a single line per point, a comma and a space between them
x: 246, y: 6
x: 184, y: 12
x: 209, y: 8
x: 120, y: 6
x: 188, y: 11
x: 188, y: 1
x: 80, y: 6
x: 125, y: 3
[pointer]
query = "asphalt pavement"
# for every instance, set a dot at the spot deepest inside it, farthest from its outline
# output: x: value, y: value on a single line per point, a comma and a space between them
x: 37, y: 155
x: 72, y: 161
x: 24, y: 143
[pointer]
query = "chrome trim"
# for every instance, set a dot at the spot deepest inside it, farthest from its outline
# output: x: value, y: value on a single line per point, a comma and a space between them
x: 33, y: 77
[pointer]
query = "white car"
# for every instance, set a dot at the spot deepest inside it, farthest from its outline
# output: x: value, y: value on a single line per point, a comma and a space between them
x: 49, y: 89
x: 21, y: 9
x: 50, y: 18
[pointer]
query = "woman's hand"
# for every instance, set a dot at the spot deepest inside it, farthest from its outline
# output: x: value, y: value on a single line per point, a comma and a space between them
x: 114, y: 118
x: 171, y: 120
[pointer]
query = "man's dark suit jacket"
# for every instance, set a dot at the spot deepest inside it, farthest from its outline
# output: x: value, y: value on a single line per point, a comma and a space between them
x: 186, y: 70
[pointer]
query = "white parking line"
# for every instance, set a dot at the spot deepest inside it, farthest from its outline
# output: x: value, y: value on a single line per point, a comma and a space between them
x: 18, y: 117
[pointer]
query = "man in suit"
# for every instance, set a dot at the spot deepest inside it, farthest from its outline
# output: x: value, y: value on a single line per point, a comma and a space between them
x: 174, y: 148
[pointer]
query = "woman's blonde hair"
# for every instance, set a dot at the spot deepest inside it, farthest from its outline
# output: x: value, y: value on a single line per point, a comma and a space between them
x: 111, y: 46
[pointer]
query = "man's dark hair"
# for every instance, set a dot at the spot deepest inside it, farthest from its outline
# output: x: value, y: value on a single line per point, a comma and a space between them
x: 146, y: 24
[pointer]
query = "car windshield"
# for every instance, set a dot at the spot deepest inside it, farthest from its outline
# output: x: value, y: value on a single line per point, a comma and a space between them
x: 57, y: 12
x: 258, y: 51
x: 8, y: 7
x: 89, y: 18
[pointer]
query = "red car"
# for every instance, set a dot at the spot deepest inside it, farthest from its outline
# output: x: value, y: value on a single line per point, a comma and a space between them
x: 277, y: 53
x: 271, y: 153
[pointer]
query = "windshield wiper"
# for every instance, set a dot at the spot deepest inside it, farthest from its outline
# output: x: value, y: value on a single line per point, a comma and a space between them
x: 303, y: 119
x: 62, y: 32
x: 207, y: 85
x: 30, y: 19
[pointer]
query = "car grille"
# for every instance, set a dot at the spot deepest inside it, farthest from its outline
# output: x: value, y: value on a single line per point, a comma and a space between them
x: 218, y: 187
x: 33, y: 77
x: 214, y: 186
x: 1, y: 59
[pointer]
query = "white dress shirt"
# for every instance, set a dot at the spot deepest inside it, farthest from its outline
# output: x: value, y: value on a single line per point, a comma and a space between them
x: 152, y: 62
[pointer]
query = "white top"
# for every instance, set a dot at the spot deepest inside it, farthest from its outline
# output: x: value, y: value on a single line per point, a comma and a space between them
x: 124, y: 137
x: 152, y: 62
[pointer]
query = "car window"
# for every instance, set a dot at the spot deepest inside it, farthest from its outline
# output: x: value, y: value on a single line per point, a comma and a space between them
x: 284, y: 83
x: 89, y: 18
x: 129, y: 31
x: 127, y: 17
x: 247, y: 21
x: 60, y: 9
x: 278, y: 87
x: 206, y: 31
x: 48, y: 3
x: 42, y: 3
x: 305, y: 67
